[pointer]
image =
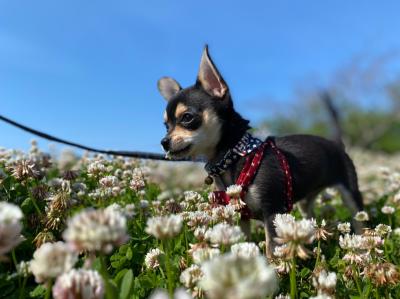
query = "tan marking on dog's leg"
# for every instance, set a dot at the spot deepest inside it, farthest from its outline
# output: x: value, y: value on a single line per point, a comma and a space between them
x: 306, y: 207
x: 352, y: 206
x: 268, y: 243
x: 302, y: 205
x: 180, y: 109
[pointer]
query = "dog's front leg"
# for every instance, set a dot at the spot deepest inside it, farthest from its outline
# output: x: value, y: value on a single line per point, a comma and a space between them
x: 246, y: 228
x: 270, y: 235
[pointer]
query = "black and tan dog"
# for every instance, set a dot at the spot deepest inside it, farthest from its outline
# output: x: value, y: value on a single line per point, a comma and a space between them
x: 201, y: 122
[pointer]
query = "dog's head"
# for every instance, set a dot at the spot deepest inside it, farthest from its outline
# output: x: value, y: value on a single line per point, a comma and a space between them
x: 197, y: 117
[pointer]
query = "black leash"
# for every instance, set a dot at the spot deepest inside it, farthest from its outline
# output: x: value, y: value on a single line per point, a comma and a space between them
x: 141, y: 155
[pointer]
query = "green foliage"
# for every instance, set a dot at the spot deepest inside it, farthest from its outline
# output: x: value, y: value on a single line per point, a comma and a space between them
x: 377, y: 130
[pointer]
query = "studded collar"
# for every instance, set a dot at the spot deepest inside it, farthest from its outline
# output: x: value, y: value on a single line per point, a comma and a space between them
x: 246, y: 145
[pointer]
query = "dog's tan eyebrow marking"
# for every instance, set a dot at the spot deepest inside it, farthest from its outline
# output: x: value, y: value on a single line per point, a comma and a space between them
x: 180, y: 109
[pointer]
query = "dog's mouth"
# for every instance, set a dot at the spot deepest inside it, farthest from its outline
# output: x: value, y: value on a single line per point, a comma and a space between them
x: 180, y: 152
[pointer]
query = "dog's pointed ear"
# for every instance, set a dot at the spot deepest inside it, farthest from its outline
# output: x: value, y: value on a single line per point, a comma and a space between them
x: 168, y: 87
x: 209, y: 77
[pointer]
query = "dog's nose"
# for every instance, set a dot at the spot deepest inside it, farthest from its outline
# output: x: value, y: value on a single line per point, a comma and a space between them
x: 165, y: 143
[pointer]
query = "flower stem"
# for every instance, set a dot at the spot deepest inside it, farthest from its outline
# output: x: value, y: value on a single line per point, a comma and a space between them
x: 110, y: 290
x: 186, y: 244
x: 318, y: 254
x: 14, y: 258
x: 386, y: 294
x: 355, y: 276
x: 48, y: 289
x: 170, y: 282
x: 293, y: 285
x: 36, y: 206
x: 22, y: 289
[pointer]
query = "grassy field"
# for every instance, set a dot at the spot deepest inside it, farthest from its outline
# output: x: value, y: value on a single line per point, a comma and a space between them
x: 103, y: 227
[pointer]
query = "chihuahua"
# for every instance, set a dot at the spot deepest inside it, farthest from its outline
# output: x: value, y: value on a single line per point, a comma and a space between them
x: 202, y: 122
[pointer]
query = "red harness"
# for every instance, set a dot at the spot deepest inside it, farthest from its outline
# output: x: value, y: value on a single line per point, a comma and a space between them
x: 248, y: 172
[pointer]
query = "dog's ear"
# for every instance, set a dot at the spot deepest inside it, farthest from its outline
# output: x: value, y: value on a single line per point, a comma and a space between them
x: 209, y: 77
x: 168, y: 87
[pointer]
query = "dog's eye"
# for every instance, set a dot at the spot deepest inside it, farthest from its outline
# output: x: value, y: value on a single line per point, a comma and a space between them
x: 187, y: 118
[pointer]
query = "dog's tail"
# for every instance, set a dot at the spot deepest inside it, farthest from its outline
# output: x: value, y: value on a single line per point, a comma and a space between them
x: 337, y: 132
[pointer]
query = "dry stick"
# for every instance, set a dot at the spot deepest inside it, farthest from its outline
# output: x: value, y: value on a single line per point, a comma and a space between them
x: 326, y: 98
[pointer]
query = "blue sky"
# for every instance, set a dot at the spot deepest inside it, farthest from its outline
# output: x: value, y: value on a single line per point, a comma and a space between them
x: 87, y: 70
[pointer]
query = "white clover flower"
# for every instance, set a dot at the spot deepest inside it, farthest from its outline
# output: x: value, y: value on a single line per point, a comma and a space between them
x: 164, y: 227
x: 109, y: 181
x: 383, y: 230
x: 51, y: 260
x: 226, y: 213
x: 190, y: 276
x: 350, y: 242
x: 388, y: 210
x: 321, y: 232
x: 96, y: 168
x: 10, y: 227
x: 144, y: 204
x: 344, y: 228
x: 361, y: 216
x: 245, y: 249
x: 325, y: 283
x: 322, y: 296
x: 224, y: 234
x: 152, y: 258
x: 197, y: 218
x: 129, y: 210
x: 96, y: 230
x: 293, y: 234
x: 178, y: 294
x: 81, y: 283
x: 234, y: 191
x: 282, y: 296
x: 370, y: 243
x: 396, y: 231
x: 229, y: 276
x: 284, y: 224
x: 114, y: 207
x: 203, y: 254
x: 396, y: 198
x: 165, y: 195
x: 360, y: 247
x: 200, y: 233
x: 24, y: 268
x: 137, y: 183
x: 24, y: 169
x: 192, y: 197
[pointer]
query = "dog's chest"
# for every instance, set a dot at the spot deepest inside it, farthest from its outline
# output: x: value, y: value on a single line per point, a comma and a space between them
x: 252, y: 197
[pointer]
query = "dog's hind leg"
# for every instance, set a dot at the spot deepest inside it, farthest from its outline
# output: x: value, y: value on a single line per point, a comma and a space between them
x: 350, y: 202
x: 245, y: 226
x: 306, y: 206
x: 351, y: 195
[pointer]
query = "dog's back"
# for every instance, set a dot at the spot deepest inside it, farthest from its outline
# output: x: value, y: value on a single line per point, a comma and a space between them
x: 316, y: 163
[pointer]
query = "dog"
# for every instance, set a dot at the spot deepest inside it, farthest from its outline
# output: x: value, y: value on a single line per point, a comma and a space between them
x: 201, y: 122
